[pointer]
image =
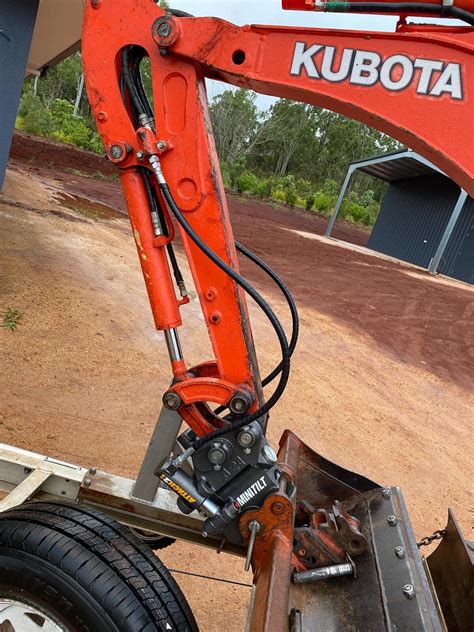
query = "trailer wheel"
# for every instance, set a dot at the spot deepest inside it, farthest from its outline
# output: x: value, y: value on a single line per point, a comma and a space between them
x: 70, y: 568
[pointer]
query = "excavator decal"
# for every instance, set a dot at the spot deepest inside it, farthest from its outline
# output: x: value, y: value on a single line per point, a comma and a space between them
x: 367, y: 68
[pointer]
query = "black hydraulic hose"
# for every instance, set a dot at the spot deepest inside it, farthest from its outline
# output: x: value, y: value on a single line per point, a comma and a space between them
x: 291, y: 304
x: 139, y: 108
x: 461, y: 14
x: 138, y: 82
x: 155, y: 205
x: 141, y: 105
x: 289, y: 299
x: 235, y: 276
x: 128, y: 79
x: 399, y: 7
x: 179, y: 14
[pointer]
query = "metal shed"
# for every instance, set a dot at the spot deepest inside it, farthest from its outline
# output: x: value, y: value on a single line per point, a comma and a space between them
x: 34, y: 34
x: 425, y: 219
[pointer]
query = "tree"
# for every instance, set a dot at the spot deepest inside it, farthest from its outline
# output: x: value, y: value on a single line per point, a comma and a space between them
x: 61, y: 81
x: 235, y: 122
x: 285, y: 129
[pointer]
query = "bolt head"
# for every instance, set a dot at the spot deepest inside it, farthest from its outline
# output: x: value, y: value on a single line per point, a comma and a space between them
x: 116, y: 152
x: 93, y: 470
x: 238, y: 404
x: 161, y: 145
x: 269, y: 454
x: 409, y: 591
x: 245, y: 438
x: 386, y: 493
x: 392, y: 520
x: 164, y: 30
x: 87, y: 482
x: 172, y: 401
x: 400, y: 552
x: 216, y: 456
x: 277, y: 509
x: 140, y: 155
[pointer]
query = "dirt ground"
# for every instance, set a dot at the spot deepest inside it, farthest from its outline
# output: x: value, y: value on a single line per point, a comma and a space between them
x: 382, y: 381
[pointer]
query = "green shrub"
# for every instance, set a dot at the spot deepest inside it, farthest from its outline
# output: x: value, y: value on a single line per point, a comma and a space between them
x: 33, y: 117
x: 69, y: 128
x: 304, y: 187
x: 264, y: 188
x: 288, y: 185
x: 368, y: 198
x: 278, y: 195
x: 323, y: 202
x: 330, y: 188
x: 309, y: 203
x: 247, y: 183
x: 235, y: 170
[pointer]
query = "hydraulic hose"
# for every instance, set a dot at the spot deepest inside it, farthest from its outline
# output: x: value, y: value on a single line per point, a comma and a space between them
x: 399, y: 7
x: 289, y: 299
x: 237, y: 278
x: 140, y: 105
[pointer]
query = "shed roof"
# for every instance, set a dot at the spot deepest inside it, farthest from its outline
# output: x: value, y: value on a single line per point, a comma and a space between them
x: 396, y: 165
x: 57, y: 33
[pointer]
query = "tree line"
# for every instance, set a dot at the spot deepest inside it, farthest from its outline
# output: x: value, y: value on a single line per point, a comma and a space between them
x: 292, y: 153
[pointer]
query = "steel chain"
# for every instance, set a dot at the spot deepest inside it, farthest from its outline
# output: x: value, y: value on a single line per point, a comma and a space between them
x: 427, y: 540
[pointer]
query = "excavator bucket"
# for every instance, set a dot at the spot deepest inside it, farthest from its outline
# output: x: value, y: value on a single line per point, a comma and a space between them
x: 378, y: 583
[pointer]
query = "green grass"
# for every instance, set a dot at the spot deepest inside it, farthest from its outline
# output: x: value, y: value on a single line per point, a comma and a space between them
x: 11, y: 319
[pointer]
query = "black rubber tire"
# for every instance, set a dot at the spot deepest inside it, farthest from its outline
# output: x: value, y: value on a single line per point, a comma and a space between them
x: 87, y: 571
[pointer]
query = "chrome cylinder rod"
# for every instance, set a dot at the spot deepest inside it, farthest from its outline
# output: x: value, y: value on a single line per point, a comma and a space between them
x: 173, y: 344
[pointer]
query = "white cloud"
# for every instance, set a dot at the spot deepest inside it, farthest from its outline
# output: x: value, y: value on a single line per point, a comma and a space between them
x: 270, y: 12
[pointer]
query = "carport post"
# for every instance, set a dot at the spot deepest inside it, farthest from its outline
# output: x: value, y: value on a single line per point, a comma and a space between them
x: 340, y: 199
x: 433, y: 268
x: 17, y: 21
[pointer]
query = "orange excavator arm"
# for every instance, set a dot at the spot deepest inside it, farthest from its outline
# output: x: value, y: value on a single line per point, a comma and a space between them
x: 415, y: 84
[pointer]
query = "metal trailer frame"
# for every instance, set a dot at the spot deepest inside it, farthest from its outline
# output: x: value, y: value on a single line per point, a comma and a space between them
x: 433, y: 267
x: 26, y: 476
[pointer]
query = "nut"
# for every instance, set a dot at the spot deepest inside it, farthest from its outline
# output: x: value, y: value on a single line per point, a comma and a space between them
x: 278, y: 508
x: 386, y: 493
x: 172, y: 401
x: 409, y: 591
x: 392, y: 520
x: 400, y: 552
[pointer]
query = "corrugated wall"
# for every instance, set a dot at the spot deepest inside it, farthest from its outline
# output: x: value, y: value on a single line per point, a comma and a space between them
x: 458, y: 259
x: 413, y: 218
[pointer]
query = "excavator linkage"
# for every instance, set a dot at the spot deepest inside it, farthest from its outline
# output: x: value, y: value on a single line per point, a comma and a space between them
x: 330, y: 549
